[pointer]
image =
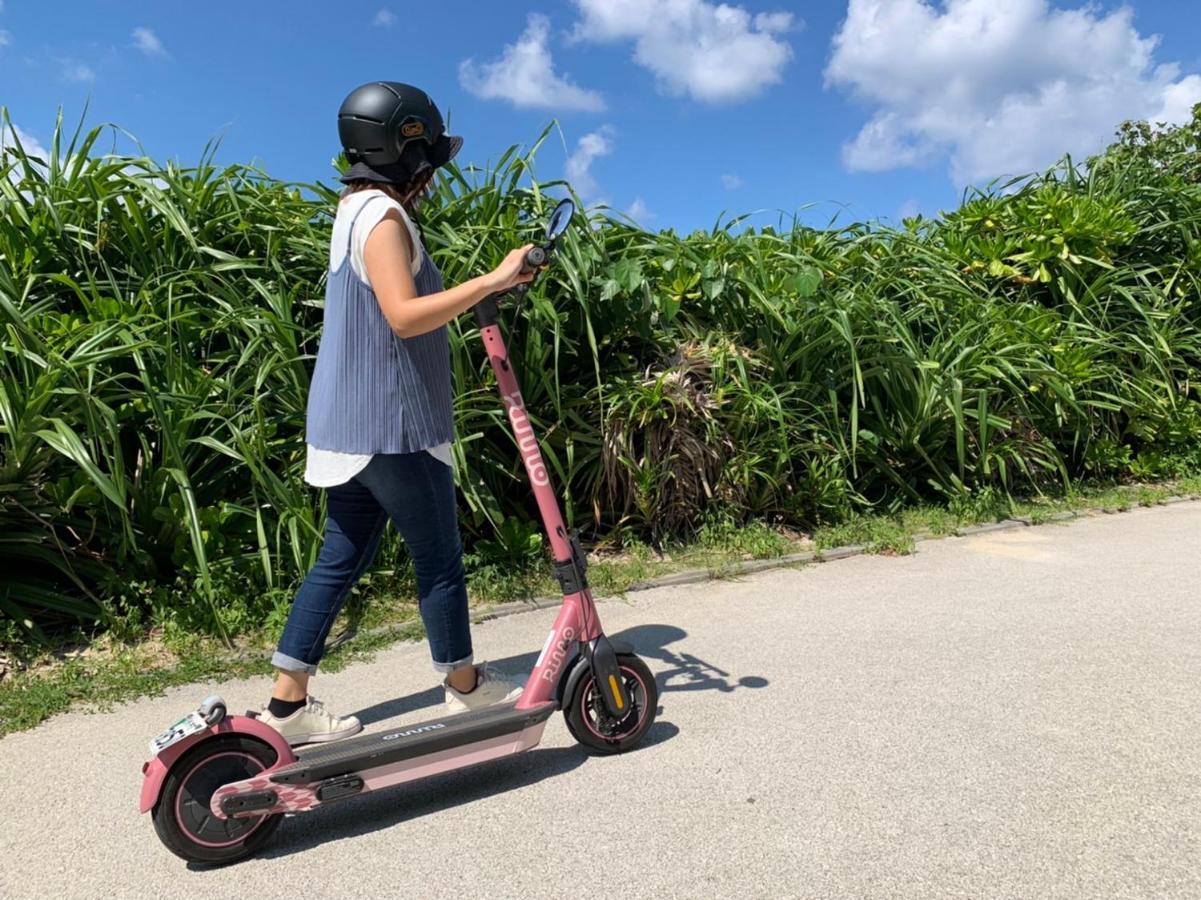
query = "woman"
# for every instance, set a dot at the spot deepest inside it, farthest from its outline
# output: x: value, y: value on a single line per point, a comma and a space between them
x: 379, y: 421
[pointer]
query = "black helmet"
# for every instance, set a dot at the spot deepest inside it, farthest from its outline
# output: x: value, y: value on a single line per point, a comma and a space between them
x: 392, y: 132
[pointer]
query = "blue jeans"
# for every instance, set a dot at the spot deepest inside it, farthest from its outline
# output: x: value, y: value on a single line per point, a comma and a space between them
x: 417, y: 492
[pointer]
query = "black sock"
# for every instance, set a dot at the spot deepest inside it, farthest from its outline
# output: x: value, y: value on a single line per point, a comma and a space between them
x: 281, y: 709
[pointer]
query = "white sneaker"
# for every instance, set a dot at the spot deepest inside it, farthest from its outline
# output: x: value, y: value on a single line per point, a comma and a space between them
x: 490, y: 687
x: 312, y: 723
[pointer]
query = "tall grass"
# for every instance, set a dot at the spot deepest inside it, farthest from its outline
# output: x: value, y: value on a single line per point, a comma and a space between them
x: 159, y: 325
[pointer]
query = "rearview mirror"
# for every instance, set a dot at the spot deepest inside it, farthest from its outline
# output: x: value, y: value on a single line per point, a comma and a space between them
x: 559, y: 220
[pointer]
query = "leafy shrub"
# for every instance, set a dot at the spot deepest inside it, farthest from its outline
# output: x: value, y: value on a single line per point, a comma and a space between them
x: 158, y: 326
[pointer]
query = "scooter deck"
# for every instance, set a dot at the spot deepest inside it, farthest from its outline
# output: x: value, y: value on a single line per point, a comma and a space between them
x: 419, y: 739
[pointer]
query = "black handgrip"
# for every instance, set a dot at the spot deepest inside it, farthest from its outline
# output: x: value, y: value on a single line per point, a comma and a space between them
x: 535, y: 259
x: 487, y: 311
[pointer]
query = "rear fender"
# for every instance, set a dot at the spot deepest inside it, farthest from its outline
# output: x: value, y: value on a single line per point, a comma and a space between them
x: 155, y: 771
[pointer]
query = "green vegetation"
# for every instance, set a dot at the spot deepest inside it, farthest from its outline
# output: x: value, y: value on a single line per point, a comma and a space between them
x: 110, y: 671
x: 157, y: 328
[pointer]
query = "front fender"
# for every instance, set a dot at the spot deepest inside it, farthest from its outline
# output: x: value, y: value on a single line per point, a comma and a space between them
x: 155, y: 771
x: 578, y: 668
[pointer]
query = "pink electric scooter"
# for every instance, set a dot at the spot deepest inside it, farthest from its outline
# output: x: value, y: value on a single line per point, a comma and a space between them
x: 218, y: 786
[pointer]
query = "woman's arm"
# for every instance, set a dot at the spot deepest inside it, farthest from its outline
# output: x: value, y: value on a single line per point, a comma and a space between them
x: 387, y: 257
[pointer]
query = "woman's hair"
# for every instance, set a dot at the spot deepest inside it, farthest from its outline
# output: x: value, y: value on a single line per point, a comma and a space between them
x: 409, y: 195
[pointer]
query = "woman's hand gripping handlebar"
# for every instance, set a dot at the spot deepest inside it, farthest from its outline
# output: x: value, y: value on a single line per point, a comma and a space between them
x: 520, y: 266
x: 515, y: 273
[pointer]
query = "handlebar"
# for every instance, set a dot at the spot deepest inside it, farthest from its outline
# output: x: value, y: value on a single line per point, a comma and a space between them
x: 535, y: 259
x: 487, y: 311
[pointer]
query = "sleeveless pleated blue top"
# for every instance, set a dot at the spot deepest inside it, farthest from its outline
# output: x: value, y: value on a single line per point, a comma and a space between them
x: 372, y: 391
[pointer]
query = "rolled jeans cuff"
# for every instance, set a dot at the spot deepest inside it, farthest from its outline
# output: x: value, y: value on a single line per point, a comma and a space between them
x: 447, y: 668
x: 292, y: 664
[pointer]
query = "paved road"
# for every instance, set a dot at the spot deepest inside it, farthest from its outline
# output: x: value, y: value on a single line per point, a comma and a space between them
x: 1006, y: 715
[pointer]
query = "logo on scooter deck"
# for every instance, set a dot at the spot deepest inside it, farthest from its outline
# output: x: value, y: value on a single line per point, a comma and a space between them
x: 421, y: 729
x: 526, y: 440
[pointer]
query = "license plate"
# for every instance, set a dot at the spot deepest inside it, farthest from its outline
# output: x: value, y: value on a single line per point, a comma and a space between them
x: 191, y: 724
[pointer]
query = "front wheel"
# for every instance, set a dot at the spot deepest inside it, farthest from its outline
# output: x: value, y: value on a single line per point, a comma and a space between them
x: 182, y: 817
x: 590, y: 722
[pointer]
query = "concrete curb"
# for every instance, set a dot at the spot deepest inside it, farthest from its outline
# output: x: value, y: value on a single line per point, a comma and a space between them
x: 700, y: 576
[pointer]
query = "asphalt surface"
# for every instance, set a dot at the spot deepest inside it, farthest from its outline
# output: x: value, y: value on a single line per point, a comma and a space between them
x: 1015, y: 714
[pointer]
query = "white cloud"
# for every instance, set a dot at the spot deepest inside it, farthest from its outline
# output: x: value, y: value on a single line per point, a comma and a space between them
x: 147, y: 41
x: 525, y: 75
x: 77, y: 71
x: 578, y: 170
x: 776, y: 21
x: 640, y: 212
x: 6, y: 38
x: 908, y: 210
x: 30, y: 144
x: 996, y: 88
x: 713, y: 52
x: 1178, y: 100
x: 385, y: 18
x: 732, y: 182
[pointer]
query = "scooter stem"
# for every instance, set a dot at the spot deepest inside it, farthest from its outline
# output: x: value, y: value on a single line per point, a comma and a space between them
x: 527, y: 441
x: 577, y: 620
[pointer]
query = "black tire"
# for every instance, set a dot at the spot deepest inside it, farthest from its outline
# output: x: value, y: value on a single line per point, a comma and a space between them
x: 590, y: 723
x: 181, y: 817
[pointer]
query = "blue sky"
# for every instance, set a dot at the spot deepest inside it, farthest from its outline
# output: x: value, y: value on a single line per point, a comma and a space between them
x: 678, y: 110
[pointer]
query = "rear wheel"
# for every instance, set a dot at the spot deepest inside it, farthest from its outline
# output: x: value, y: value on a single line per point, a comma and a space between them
x: 182, y: 817
x: 590, y: 722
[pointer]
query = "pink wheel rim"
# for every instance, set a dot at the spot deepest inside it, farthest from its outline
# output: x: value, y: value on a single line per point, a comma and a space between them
x: 216, y: 845
x: 586, y: 713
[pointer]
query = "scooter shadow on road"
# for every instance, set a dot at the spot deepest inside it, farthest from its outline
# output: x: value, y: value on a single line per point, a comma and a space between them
x: 374, y: 812
x: 394, y: 806
x: 685, y: 672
